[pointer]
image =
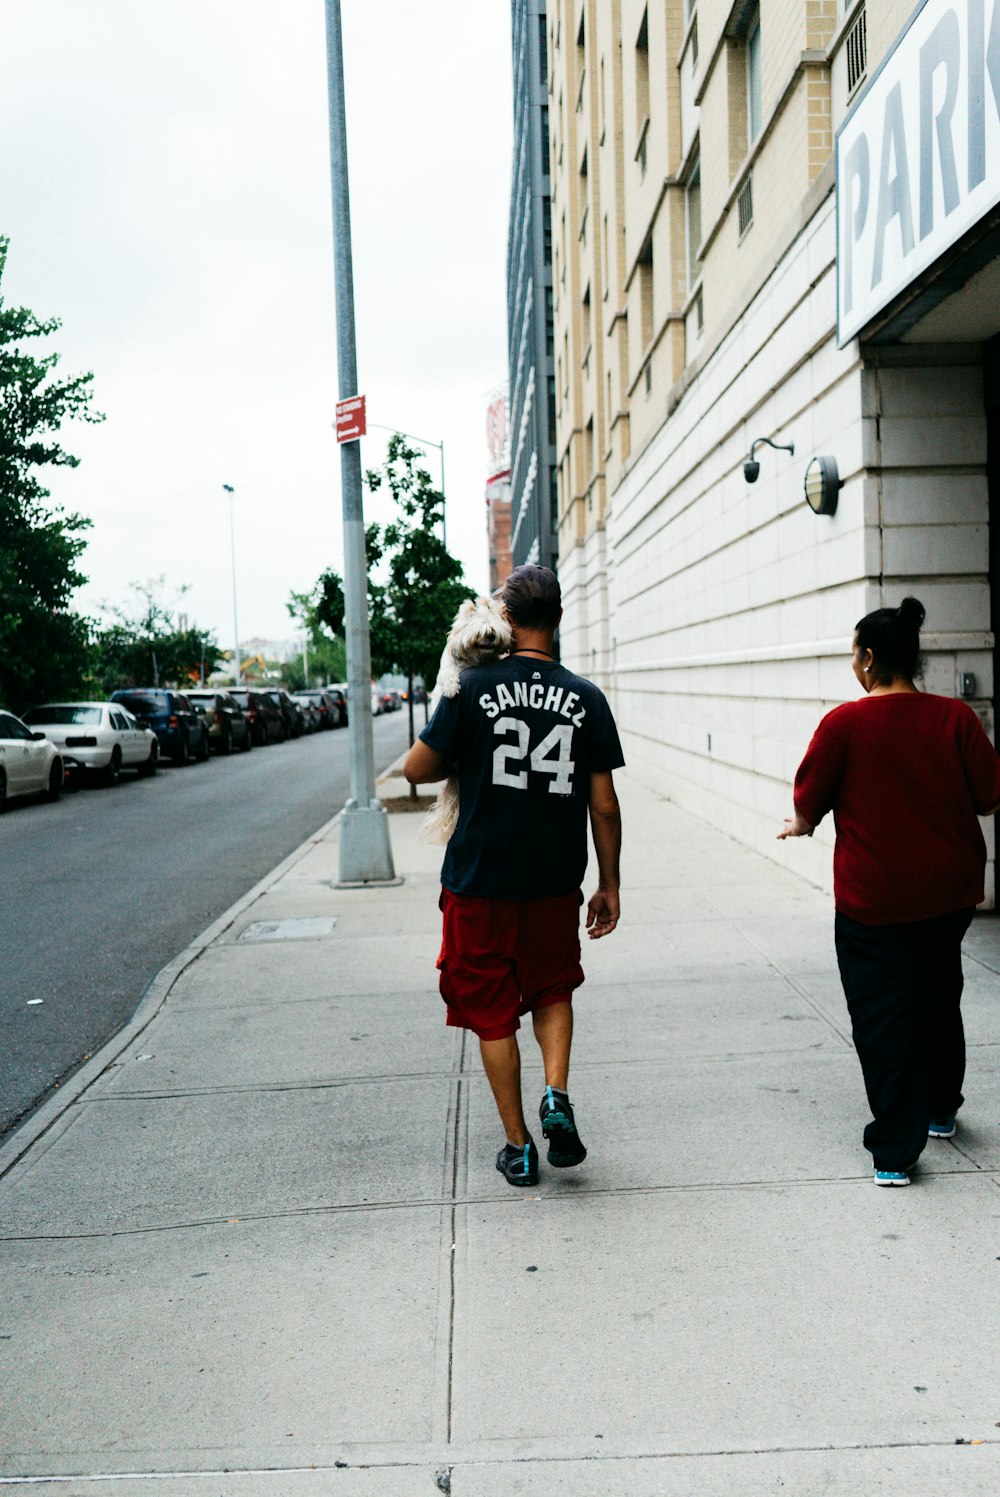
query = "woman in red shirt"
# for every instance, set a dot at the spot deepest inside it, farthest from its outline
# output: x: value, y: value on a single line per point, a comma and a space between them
x: 906, y: 775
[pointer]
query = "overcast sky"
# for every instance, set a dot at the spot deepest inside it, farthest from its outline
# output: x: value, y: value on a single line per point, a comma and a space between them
x: 164, y: 182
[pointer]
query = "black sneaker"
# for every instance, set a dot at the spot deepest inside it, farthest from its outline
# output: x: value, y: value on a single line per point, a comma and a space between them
x: 559, y: 1127
x: 519, y: 1163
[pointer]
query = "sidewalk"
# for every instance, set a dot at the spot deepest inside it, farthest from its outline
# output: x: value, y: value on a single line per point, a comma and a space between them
x: 265, y: 1251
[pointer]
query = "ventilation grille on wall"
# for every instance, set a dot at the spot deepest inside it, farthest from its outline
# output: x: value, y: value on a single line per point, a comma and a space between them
x: 744, y: 204
x: 856, y: 43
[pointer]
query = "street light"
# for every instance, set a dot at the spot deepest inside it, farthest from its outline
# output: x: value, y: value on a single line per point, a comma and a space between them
x: 427, y: 443
x: 232, y: 548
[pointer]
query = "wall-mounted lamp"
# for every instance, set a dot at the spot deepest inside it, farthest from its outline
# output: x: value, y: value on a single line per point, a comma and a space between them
x: 751, y: 469
x: 822, y: 485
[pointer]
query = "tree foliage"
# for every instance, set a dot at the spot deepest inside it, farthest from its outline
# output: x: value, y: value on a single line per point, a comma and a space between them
x: 410, y: 612
x: 320, y: 614
x: 415, y: 585
x: 43, y: 645
x: 142, y: 645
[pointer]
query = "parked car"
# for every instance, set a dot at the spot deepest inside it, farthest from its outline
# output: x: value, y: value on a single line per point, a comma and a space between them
x: 228, y: 724
x: 291, y: 715
x: 330, y: 711
x: 266, y: 722
x: 310, y: 713
x: 102, y: 736
x: 181, y: 733
x: 30, y: 763
x: 339, y: 694
x: 378, y: 706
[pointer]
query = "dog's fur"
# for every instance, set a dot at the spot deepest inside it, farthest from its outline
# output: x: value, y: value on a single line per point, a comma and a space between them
x: 479, y: 635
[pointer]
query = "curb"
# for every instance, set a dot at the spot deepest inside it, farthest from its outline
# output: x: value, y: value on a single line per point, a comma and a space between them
x: 47, y: 1115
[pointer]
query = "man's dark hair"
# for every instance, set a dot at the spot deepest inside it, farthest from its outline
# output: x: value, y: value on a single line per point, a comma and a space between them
x: 532, y: 597
x: 893, y: 636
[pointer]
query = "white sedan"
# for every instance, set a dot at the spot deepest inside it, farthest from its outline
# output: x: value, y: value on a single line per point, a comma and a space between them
x: 29, y: 763
x: 102, y: 736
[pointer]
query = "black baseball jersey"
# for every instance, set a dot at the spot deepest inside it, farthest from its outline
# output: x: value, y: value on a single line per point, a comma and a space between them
x: 526, y: 736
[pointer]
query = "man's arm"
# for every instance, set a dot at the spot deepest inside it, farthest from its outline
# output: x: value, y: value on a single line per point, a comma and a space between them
x: 423, y: 765
x: 606, y: 825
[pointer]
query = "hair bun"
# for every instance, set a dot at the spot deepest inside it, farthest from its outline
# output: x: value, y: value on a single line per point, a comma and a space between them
x: 912, y: 611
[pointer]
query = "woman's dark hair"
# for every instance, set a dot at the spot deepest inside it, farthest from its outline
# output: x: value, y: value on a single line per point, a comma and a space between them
x: 893, y: 636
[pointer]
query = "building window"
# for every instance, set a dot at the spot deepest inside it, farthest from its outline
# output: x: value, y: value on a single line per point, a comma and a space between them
x: 754, y: 109
x: 856, y: 44
x: 648, y: 376
x: 547, y: 229
x: 744, y: 204
x: 543, y: 52
x: 694, y: 44
x: 692, y: 202
x: 646, y: 293
x: 552, y: 409
x: 642, y: 73
x: 545, y: 139
x: 640, y: 154
x: 581, y: 54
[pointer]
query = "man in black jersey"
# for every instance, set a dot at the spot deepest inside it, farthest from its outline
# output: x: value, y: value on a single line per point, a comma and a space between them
x: 535, y: 747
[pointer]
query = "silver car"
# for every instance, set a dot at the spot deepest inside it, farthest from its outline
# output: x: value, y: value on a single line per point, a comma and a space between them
x: 102, y: 736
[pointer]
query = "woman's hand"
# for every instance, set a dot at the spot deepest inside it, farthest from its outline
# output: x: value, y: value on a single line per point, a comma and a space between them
x: 795, y: 826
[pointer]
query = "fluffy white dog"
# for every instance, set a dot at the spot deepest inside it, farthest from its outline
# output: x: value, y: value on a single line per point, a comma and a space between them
x: 479, y: 635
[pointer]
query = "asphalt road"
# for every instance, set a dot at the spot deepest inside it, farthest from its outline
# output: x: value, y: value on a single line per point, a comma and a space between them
x: 101, y: 889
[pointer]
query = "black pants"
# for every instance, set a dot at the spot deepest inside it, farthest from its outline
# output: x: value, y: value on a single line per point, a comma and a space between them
x: 903, y: 985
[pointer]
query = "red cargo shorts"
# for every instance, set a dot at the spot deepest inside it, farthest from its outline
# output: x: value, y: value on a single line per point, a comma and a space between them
x: 501, y: 958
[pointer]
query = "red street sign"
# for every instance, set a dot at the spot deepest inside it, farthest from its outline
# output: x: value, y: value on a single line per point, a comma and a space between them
x: 351, y: 419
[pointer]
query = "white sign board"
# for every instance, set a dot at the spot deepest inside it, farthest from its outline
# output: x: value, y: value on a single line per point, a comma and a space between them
x: 918, y: 157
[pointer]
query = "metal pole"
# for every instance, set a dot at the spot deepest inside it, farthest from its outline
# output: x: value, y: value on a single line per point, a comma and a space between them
x: 232, y: 551
x: 444, y: 527
x: 365, y: 849
x: 305, y: 658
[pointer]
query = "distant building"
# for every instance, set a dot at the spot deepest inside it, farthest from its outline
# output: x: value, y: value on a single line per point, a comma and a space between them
x: 498, y: 506
x: 529, y: 298
x: 498, y: 531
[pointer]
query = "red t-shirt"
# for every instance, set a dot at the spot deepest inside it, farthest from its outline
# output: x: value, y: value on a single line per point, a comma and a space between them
x: 906, y: 775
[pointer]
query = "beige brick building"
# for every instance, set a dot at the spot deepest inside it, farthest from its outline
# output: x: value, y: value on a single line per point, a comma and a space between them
x: 698, y: 238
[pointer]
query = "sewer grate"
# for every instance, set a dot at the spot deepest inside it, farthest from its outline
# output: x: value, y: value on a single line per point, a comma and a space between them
x: 288, y: 930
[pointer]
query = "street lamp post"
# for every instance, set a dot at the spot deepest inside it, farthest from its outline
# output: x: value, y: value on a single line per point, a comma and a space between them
x: 427, y: 443
x: 232, y: 549
x: 365, y: 849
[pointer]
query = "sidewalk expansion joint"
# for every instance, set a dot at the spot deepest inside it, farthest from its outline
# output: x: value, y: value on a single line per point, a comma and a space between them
x: 563, y: 1196
x: 469, y: 1460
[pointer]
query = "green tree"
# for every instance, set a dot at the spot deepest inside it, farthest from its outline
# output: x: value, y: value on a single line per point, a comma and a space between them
x: 43, y: 644
x: 320, y: 614
x: 410, y: 612
x: 424, y: 587
x: 142, y: 646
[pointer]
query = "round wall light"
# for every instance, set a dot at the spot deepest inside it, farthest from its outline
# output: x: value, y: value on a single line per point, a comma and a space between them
x: 822, y: 485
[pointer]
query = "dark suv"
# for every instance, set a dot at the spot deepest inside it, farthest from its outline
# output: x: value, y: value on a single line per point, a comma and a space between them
x: 291, y: 712
x: 179, y: 729
x: 332, y: 713
x: 266, y: 723
x: 228, y: 726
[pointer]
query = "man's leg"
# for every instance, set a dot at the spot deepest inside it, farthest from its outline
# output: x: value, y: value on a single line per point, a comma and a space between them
x: 502, y: 1064
x: 554, y: 1032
